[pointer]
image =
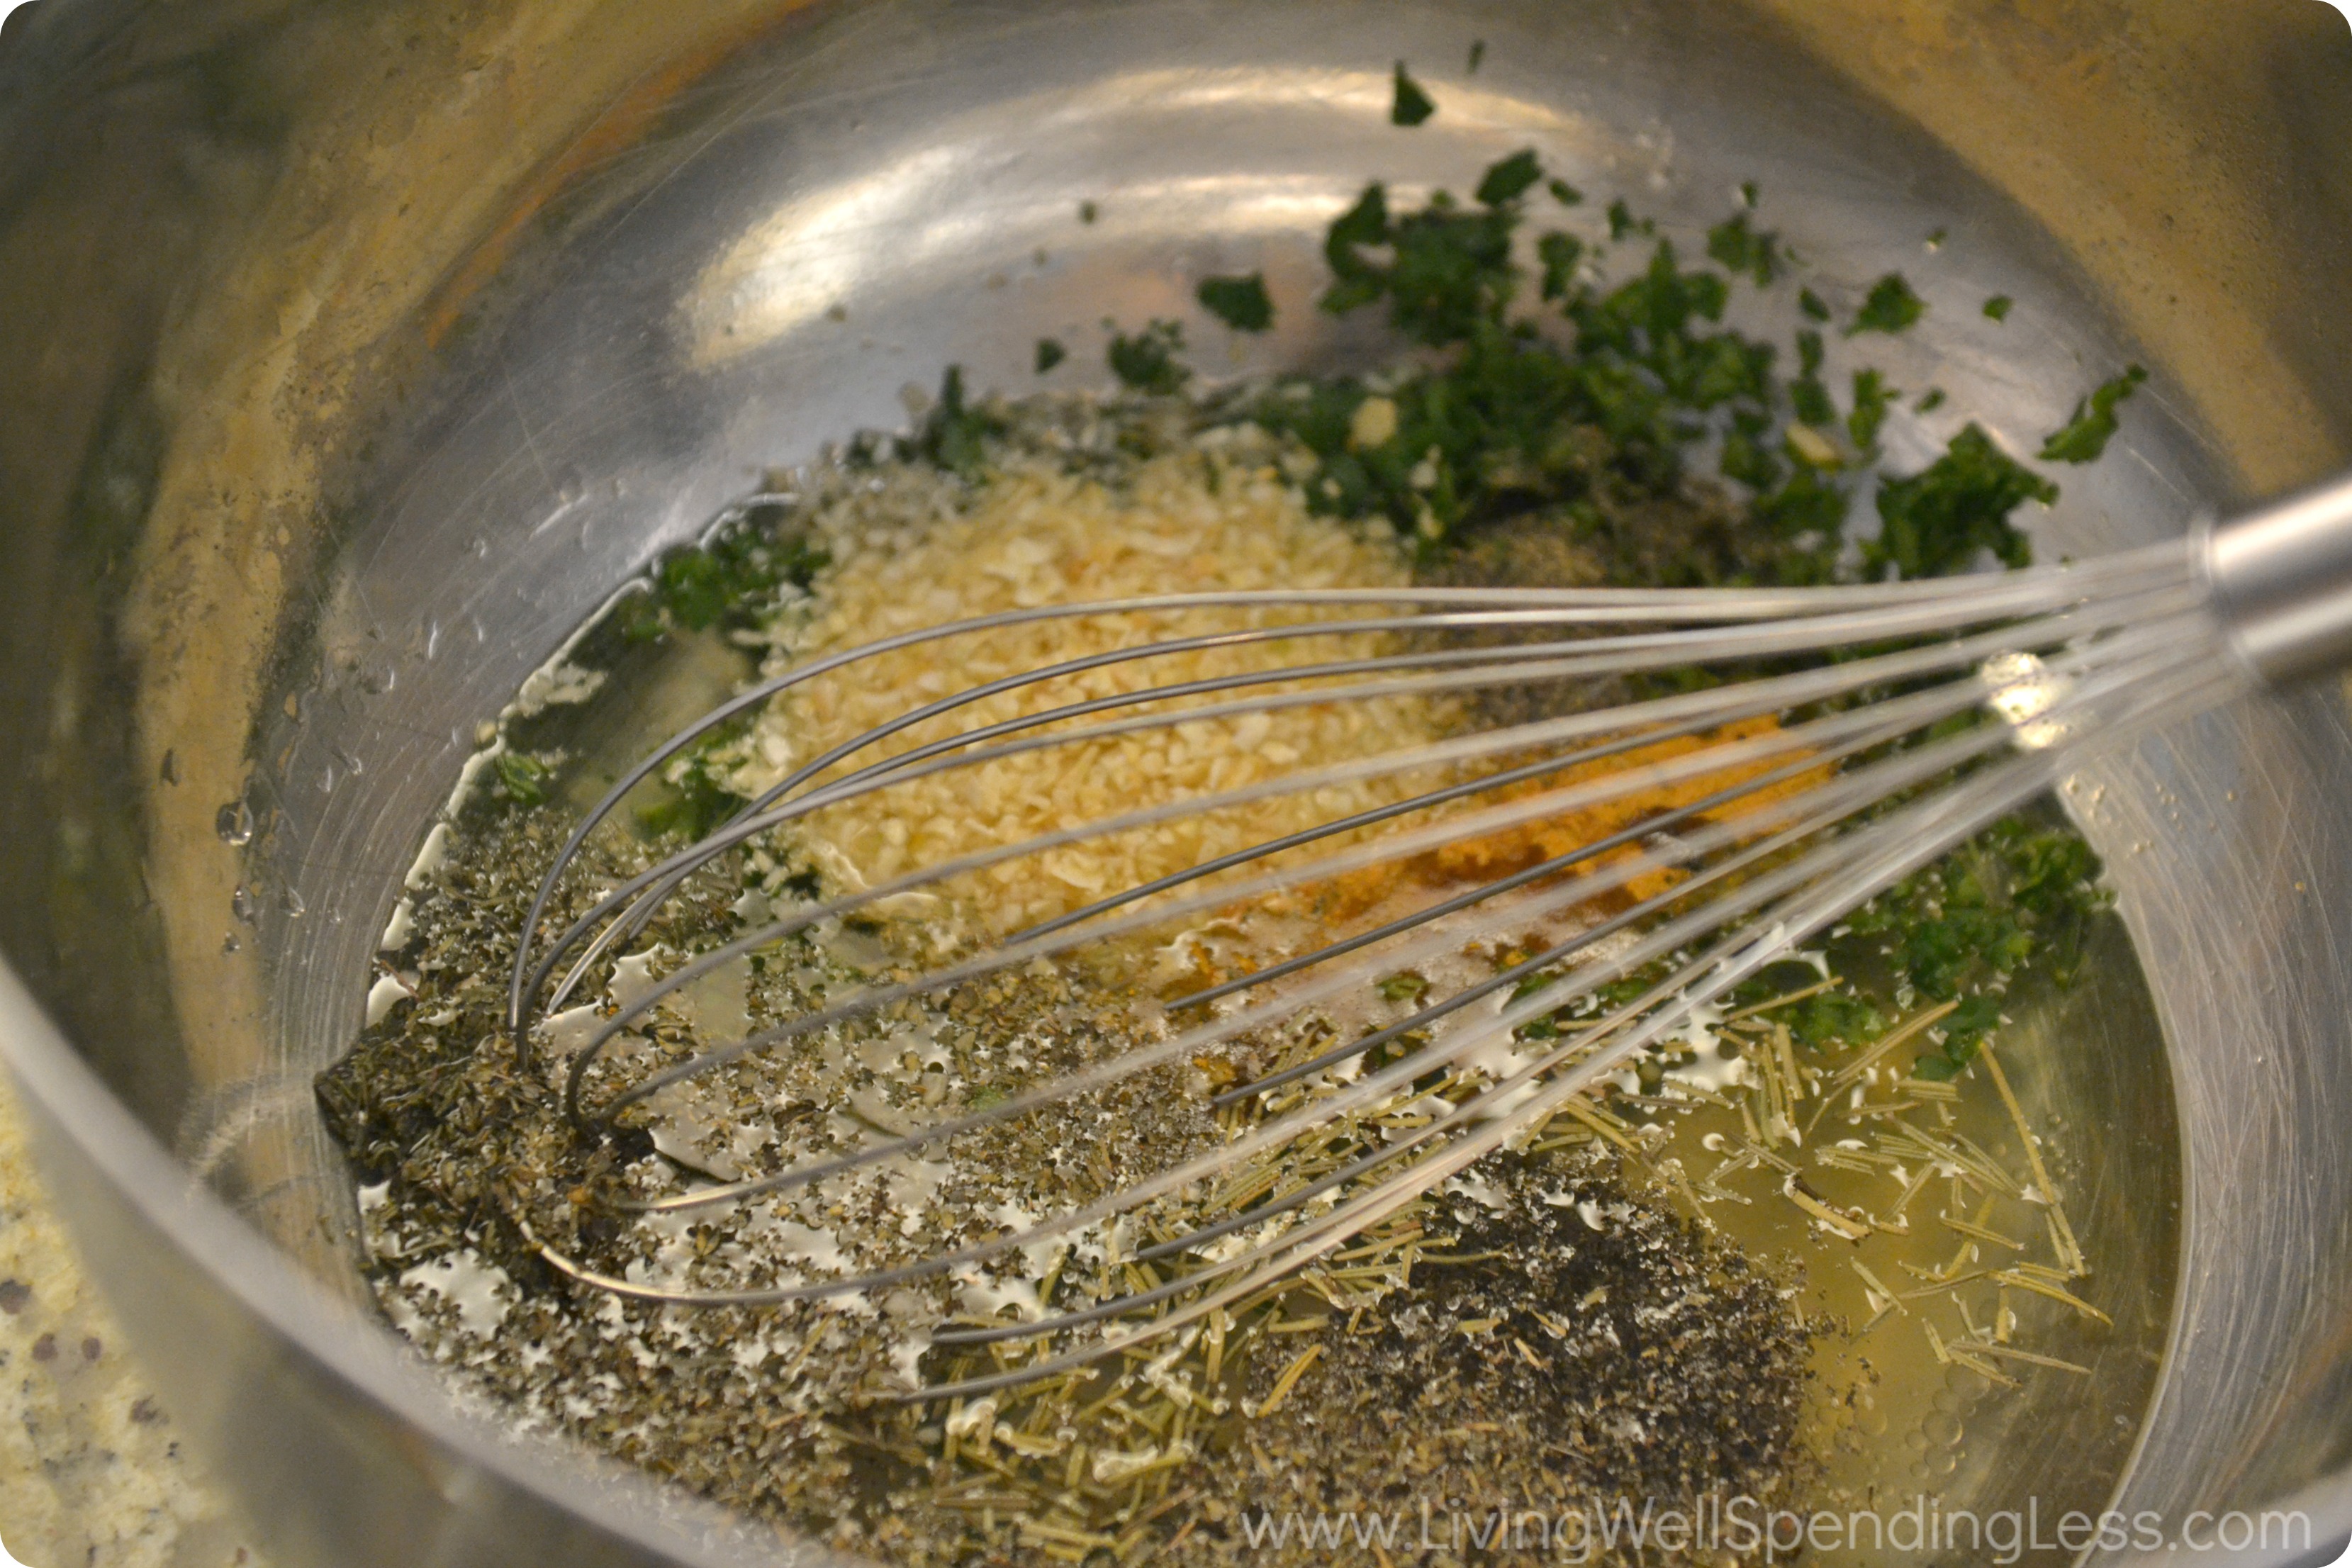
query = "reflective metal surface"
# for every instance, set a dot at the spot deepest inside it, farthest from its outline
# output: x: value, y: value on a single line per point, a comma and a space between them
x: 361, y: 352
x: 2279, y: 576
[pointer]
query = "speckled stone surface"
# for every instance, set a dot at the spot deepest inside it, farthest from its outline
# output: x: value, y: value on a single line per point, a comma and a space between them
x: 92, y: 1474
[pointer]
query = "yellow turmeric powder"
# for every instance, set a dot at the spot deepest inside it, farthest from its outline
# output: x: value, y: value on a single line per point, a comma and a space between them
x: 1501, y: 853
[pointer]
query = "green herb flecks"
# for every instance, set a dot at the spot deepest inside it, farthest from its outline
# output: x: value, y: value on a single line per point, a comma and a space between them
x: 1404, y: 987
x: 523, y: 778
x: 1739, y: 248
x: 2016, y: 897
x: 1146, y: 362
x: 1999, y: 307
x: 1623, y: 223
x: 1937, y: 521
x: 1452, y: 271
x: 1834, y: 1018
x: 2084, y: 439
x: 728, y: 583
x: 1050, y: 352
x: 1411, y: 105
x: 956, y: 433
x: 1561, y: 254
x: 1240, y: 303
x: 1810, y: 512
x: 1872, y: 400
x: 1357, y: 279
x: 1746, y: 455
x: 1449, y: 272
x: 695, y: 802
x: 1890, y: 307
x: 1515, y: 425
x: 1507, y: 181
x: 1808, y: 394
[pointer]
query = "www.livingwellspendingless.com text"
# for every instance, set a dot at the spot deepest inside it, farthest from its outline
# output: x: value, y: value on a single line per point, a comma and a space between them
x: 1753, y: 1529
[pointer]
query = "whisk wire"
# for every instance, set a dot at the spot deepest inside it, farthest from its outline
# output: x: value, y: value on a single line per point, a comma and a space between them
x: 1891, y: 775
x: 1826, y: 732
x: 1912, y: 842
x: 1764, y: 840
x: 1725, y: 705
x: 2016, y: 594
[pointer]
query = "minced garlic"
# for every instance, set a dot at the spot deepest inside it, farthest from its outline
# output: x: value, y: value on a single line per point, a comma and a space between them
x: 1037, y: 535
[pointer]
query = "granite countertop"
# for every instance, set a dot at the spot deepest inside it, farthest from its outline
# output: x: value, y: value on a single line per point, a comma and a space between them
x: 92, y: 1474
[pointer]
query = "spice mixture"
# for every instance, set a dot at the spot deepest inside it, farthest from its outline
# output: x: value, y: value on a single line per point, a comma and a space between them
x: 1577, y: 1315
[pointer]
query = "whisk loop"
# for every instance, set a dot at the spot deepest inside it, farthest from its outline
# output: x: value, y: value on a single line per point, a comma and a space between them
x: 1832, y: 742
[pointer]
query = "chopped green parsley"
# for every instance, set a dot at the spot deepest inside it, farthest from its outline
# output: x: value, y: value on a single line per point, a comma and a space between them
x: 2018, y: 897
x: 726, y: 583
x: 2084, y: 439
x: 522, y: 778
x: 1938, y: 520
x: 1622, y: 221
x: 1411, y: 106
x: 1872, y: 399
x: 1559, y: 254
x: 1807, y: 393
x: 956, y: 434
x: 1509, y: 180
x: 1738, y: 247
x: 1891, y: 306
x: 1147, y: 361
x: 1240, y: 302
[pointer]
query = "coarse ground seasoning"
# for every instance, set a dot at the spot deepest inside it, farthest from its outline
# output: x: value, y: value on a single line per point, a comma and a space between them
x: 771, y: 1410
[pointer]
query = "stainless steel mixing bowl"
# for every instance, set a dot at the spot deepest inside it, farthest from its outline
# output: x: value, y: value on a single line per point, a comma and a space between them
x: 356, y: 352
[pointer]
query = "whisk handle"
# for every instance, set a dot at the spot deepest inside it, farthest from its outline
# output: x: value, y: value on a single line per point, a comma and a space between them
x: 2282, y: 582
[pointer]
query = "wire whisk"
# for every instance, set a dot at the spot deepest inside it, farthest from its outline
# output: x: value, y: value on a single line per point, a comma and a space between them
x: 1817, y: 745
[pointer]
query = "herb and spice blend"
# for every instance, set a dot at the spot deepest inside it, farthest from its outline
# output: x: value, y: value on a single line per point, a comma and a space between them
x: 1817, y: 1225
